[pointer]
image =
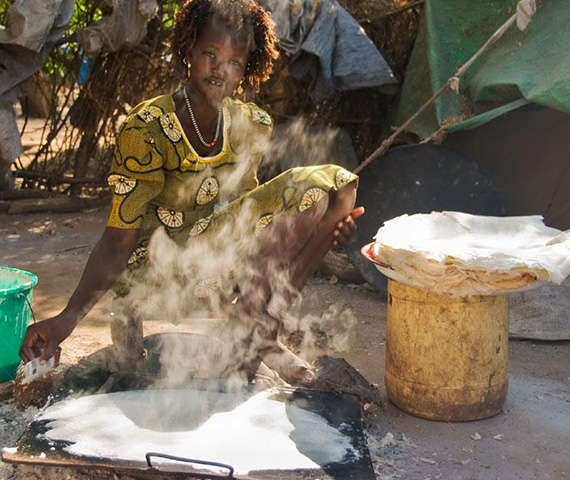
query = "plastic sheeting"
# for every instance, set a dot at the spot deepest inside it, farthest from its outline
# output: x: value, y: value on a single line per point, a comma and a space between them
x: 524, y: 66
x: 331, y: 50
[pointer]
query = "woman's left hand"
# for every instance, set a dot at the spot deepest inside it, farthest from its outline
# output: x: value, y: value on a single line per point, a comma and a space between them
x: 346, y: 228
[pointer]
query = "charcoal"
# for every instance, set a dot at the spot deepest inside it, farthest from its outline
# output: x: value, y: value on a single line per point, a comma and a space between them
x: 337, y: 375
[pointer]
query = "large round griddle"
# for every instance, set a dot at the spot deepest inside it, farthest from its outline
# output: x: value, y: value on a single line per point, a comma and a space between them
x: 417, y: 179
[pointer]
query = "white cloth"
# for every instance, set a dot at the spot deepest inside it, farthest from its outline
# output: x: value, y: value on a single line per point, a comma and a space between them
x: 10, y: 145
x: 462, y: 254
x: 32, y: 28
x: 33, y: 23
x: 126, y: 26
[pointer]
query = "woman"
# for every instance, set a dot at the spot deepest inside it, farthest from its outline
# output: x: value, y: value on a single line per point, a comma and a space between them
x: 184, y: 176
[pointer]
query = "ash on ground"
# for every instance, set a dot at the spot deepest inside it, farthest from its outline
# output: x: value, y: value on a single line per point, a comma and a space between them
x: 390, y: 452
x: 13, y: 423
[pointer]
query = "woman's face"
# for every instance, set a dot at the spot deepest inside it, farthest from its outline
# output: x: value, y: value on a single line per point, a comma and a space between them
x: 218, y: 64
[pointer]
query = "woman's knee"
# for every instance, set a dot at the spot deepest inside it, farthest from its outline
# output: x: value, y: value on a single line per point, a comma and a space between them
x: 288, y: 233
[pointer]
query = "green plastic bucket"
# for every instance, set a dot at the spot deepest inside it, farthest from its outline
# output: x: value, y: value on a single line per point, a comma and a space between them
x: 15, y: 301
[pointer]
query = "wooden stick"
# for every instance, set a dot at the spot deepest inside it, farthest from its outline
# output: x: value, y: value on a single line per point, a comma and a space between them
x: 26, y: 193
x: 453, y: 80
x: 59, y: 180
x: 386, y: 143
x: 56, y: 205
x: 492, y: 40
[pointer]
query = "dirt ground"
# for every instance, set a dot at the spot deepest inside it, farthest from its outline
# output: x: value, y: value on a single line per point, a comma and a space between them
x: 528, y: 439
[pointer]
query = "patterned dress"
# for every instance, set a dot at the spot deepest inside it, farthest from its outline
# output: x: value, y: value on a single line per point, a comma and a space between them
x: 205, y: 205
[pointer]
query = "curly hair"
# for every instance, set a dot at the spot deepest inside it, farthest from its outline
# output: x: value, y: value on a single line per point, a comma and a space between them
x: 246, y: 19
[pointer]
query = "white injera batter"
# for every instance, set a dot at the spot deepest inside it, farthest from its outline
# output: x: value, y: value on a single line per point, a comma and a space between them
x: 254, y: 433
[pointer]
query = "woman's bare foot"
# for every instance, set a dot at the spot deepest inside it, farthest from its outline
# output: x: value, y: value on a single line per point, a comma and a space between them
x: 290, y: 367
x: 269, y: 377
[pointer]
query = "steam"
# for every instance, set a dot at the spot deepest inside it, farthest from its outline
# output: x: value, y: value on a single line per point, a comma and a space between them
x: 297, y: 144
x: 203, y: 280
x: 332, y: 331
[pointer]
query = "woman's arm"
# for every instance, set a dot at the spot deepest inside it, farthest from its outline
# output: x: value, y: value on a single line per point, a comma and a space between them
x: 105, y: 265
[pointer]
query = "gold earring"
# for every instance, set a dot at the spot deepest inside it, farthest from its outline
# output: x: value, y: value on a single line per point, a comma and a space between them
x: 188, y: 67
x: 239, y: 89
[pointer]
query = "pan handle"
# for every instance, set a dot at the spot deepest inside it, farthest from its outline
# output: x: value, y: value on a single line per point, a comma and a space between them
x: 189, y: 460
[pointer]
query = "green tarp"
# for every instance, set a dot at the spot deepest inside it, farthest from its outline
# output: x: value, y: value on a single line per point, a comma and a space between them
x: 524, y: 66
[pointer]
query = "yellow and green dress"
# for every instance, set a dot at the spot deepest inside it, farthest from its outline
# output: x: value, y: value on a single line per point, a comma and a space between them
x: 205, y: 205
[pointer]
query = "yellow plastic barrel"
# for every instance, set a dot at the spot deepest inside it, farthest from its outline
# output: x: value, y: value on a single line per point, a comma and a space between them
x: 446, y: 358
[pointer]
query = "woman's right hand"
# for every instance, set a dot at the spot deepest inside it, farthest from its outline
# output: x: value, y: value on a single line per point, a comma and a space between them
x: 105, y: 264
x: 43, y: 338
